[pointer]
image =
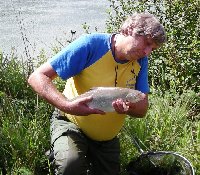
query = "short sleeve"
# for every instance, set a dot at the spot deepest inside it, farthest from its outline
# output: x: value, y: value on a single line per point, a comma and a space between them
x: 79, y: 54
x: 142, y: 78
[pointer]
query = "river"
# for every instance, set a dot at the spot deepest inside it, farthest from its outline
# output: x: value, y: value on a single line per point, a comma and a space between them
x: 41, y: 22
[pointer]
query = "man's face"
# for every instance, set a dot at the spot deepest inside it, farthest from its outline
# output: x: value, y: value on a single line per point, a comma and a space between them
x: 137, y: 47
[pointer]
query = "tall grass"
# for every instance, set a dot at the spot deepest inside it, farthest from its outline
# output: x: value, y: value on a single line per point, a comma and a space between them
x: 24, y: 122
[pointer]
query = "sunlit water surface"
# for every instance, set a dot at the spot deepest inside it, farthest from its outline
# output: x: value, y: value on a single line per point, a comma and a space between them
x: 41, y: 22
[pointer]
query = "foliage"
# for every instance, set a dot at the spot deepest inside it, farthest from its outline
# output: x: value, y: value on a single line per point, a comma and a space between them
x: 168, y: 126
x: 11, y: 77
x: 176, y: 65
x: 24, y: 121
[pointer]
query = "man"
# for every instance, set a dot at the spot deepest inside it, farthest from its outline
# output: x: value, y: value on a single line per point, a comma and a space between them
x: 83, y: 140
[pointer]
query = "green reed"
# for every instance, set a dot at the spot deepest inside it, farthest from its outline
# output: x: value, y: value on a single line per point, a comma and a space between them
x: 24, y: 121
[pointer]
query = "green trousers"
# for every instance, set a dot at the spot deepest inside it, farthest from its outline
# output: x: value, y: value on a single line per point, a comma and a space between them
x: 75, y: 154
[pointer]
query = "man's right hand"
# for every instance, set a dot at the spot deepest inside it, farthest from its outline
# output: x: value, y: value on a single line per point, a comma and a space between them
x: 79, y: 107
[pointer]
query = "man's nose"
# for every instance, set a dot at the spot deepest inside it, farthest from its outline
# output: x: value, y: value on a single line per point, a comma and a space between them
x: 148, y: 51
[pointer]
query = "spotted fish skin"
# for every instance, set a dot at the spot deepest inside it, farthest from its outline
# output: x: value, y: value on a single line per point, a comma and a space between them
x: 102, y: 97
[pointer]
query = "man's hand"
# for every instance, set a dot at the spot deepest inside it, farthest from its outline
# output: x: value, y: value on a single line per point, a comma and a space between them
x: 80, y: 107
x: 138, y: 109
x: 120, y: 106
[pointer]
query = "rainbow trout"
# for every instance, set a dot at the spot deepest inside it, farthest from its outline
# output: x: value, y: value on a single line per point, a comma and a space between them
x: 104, y: 96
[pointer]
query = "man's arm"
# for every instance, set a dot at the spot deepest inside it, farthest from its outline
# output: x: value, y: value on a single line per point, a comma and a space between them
x: 138, y: 109
x: 41, y: 81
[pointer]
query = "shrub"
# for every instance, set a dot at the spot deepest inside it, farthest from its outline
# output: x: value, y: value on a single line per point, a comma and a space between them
x: 24, y: 121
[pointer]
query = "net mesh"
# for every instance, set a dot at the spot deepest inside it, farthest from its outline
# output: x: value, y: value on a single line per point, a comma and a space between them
x: 159, y: 163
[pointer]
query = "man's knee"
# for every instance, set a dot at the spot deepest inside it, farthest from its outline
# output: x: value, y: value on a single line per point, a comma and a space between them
x: 69, y: 158
x: 75, y: 164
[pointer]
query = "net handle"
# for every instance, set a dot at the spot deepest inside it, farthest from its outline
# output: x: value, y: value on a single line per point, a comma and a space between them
x: 134, y: 139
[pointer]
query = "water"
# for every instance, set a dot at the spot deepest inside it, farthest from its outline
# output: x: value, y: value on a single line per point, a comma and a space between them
x: 41, y: 22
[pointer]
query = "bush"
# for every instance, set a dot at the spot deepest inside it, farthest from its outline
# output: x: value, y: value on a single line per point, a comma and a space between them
x: 24, y: 122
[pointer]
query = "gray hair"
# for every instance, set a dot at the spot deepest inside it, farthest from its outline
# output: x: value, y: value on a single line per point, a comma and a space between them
x: 145, y: 24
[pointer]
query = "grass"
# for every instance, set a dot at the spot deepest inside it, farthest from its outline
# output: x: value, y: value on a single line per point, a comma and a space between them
x: 172, y: 124
x: 24, y: 122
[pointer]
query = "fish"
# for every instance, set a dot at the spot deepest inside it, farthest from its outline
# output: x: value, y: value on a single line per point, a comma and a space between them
x: 102, y: 97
